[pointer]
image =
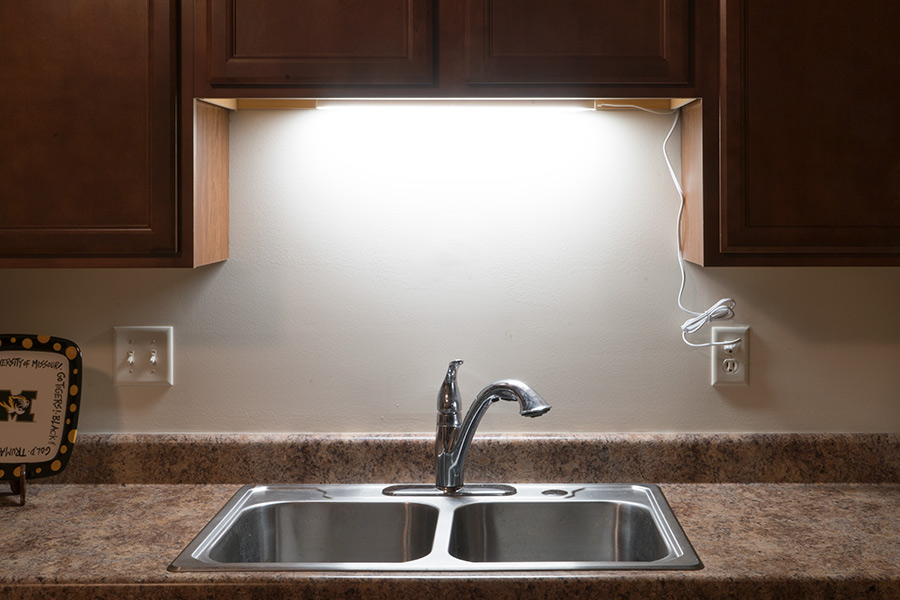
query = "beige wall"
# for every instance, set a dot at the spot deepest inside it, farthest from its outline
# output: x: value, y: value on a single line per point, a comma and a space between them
x: 368, y: 251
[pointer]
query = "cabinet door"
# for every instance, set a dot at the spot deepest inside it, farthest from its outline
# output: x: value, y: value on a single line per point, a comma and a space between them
x: 318, y: 42
x: 87, y: 144
x: 810, y: 128
x: 578, y: 41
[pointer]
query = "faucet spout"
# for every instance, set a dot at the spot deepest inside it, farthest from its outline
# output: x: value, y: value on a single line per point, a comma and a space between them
x: 453, y: 439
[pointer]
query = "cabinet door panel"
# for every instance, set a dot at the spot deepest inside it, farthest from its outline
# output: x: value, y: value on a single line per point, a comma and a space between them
x: 88, y: 144
x: 811, y: 127
x: 319, y: 42
x: 578, y: 41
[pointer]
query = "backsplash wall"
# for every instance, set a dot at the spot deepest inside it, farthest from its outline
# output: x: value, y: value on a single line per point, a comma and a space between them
x: 368, y: 250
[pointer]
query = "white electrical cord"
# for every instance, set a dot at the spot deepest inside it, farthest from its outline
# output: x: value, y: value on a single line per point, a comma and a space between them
x: 724, y: 308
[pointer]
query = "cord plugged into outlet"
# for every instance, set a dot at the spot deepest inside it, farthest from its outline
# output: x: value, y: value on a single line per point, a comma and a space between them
x: 730, y: 345
x: 731, y: 360
x: 724, y: 308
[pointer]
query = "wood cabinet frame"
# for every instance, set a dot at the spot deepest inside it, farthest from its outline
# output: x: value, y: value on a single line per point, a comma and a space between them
x: 735, y: 234
x: 409, y: 62
x: 492, y: 57
x: 187, y: 207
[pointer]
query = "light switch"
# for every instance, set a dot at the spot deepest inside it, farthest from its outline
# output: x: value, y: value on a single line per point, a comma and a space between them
x: 144, y: 356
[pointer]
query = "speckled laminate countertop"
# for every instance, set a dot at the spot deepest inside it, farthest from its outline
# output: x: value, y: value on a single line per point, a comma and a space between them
x: 762, y: 540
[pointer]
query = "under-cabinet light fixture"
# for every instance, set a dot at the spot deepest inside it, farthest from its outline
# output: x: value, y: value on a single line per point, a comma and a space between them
x: 464, y: 104
x: 664, y: 105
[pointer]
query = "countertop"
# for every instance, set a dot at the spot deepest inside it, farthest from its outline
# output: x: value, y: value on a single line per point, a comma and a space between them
x: 759, y: 540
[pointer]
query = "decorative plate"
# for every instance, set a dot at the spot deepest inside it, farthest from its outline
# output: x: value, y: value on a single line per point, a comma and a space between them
x: 40, y: 395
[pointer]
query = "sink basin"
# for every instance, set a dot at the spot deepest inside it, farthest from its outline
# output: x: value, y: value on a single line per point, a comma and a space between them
x: 568, y: 532
x: 329, y: 532
x: 360, y: 527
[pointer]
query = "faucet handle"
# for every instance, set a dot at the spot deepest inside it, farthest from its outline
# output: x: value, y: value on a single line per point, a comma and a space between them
x: 448, y: 400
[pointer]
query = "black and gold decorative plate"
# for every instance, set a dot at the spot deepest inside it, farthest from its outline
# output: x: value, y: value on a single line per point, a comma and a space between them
x: 40, y: 396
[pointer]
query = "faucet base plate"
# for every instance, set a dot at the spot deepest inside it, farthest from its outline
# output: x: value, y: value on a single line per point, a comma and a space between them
x: 485, y: 489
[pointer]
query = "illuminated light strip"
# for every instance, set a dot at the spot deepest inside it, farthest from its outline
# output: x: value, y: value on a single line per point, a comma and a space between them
x: 463, y: 104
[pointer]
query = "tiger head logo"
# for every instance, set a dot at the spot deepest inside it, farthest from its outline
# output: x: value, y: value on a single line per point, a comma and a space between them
x: 17, y: 407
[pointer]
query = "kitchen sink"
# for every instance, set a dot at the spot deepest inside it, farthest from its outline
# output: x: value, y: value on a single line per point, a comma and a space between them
x: 360, y: 527
x: 556, y: 532
x: 327, y: 532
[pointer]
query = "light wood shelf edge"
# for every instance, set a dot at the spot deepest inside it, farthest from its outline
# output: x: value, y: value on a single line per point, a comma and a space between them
x: 692, y: 182
x: 210, y: 189
x: 262, y: 103
x: 653, y: 104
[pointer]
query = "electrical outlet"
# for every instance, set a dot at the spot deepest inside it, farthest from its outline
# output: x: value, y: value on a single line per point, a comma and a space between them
x: 144, y: 356
x: 731, y: 365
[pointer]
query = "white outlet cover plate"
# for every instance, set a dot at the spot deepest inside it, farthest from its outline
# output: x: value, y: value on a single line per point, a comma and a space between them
x: 143, y: 341
x: 741, y: 354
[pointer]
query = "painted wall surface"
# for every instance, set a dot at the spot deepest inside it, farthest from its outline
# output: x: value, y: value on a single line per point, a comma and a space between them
x: 367, y: 251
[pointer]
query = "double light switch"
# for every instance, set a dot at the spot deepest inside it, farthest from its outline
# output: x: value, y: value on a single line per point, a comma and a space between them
x: 143, y: 356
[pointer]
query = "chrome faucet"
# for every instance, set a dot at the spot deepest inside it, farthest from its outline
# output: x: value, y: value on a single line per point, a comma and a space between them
x: 452, y: 439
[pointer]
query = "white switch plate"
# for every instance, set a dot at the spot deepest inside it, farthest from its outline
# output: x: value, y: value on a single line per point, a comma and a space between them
x: 731, y: 367
x: 136, y: 349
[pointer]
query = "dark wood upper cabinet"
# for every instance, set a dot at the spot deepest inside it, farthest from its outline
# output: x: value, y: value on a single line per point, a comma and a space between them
x: 107, y: 158
x: 318, y: 42
x: 450, y: 49
x: 578, y: 42
x: 810, y: 165
x: 88, y: 151
x: 89, y: 147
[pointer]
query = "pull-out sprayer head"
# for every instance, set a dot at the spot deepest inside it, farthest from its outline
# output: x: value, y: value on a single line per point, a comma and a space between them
x: 530, y: 402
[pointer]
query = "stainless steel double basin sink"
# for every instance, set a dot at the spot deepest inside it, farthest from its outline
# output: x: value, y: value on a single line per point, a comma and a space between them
x: 364, y: 528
